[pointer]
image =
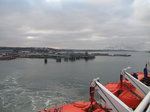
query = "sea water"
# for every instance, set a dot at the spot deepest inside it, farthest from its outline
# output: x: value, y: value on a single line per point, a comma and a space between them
x: 29, y: 85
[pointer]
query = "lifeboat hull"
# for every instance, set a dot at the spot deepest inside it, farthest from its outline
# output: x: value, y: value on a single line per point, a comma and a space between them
x: 79, y: 106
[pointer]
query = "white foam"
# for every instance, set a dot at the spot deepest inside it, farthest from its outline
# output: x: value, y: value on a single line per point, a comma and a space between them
x: 47, y: 102
x: 33, y: 103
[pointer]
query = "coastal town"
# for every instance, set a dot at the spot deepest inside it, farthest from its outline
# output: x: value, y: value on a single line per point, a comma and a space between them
x: 8, y: 53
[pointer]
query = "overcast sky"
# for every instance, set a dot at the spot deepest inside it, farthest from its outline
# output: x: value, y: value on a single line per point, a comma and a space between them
x: 76, y: 24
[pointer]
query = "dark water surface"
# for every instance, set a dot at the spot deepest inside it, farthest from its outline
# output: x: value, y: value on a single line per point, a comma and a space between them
x: 29, y: 85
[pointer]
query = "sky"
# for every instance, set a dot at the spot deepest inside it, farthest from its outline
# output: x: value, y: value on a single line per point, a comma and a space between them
x: 75, y: 24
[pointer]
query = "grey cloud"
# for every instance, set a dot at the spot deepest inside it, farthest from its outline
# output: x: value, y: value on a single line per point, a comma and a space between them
x: 141, y: 13
x: 71, y: 24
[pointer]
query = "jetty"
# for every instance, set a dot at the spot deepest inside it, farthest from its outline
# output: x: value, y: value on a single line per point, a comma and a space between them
x: 109, y: 54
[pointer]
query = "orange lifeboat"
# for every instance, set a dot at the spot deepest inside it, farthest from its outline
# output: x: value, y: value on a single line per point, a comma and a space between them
x: 79, y: 106
x: 124, y: 90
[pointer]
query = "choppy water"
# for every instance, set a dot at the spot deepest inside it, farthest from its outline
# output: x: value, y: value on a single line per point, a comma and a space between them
x: 29, y: 85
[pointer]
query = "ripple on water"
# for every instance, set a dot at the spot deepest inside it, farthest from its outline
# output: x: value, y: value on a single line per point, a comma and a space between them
x: 15, y: 98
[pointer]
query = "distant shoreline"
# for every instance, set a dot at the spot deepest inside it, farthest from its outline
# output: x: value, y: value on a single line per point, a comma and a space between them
x: 68, y: 50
